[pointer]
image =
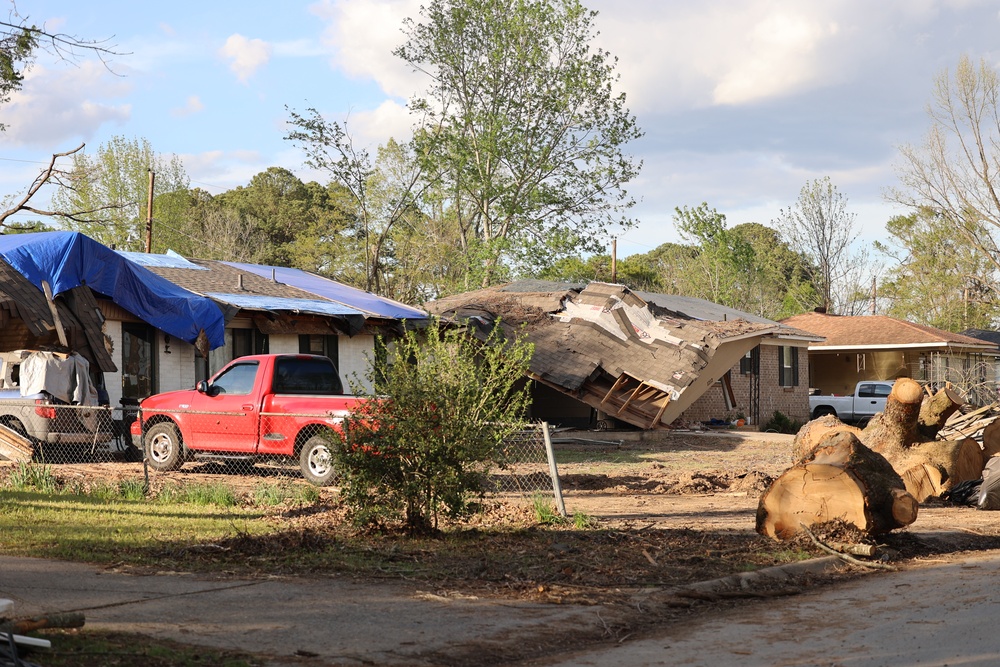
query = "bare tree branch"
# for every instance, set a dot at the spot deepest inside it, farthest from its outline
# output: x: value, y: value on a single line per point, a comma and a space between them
x: 50, y: 173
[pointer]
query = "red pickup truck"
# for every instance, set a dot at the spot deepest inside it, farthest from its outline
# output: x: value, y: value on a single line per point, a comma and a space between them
x: 256, y: 408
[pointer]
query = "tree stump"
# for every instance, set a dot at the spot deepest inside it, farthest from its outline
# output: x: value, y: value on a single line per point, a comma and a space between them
x: 935, y: 410
x: 841, y: 479
x: 895, y: 428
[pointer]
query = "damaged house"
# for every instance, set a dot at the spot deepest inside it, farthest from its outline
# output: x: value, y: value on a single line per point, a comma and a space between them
x: 153, y: 323
x: 604, y: 354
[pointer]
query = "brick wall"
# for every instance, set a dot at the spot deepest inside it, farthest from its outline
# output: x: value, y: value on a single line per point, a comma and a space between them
x: 793, y: 402
x: 354, y: 353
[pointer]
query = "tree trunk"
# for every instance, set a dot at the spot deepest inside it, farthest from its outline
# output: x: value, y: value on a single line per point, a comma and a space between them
x: 815, y: 431
x: 934, y: 412
x: 895, y: 428
x: 840, y: 480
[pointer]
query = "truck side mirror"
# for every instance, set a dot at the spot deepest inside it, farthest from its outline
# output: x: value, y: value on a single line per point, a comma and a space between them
x: 202, y: 387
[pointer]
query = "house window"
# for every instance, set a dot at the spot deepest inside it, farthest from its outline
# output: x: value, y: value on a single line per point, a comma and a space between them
x: 788, y: 366
x: 750, y: 363
x: 326, y: 346
x: 248, y: 341
x: 138, y: 365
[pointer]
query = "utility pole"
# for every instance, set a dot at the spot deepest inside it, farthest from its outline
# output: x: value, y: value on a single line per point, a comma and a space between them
x: 149, y: 214
x: 614, y: 261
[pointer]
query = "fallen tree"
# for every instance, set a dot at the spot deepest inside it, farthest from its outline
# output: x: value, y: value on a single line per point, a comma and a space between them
x: 840, y: 479
x: 873, y: 478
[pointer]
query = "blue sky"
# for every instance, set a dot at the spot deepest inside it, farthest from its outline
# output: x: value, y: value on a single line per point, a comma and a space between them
x: 741, y: 102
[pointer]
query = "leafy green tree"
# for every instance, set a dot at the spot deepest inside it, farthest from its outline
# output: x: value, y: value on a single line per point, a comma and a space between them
x: 424, y: 450
x: 726, y: 263
x: 940, y: 279
x: 632, y: 271
x: 113, y: 185
x: 521, y: 127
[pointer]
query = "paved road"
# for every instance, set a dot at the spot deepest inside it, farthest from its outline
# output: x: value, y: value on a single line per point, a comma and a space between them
x: 941, y: 613
x: 937, y: 615
x: 339, y: 621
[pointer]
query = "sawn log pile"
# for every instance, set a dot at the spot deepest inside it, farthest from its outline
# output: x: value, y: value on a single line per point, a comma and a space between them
x: 875, y: 477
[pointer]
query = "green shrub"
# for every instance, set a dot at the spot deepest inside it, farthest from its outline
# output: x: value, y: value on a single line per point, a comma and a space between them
x: 271, y: 494
x: 780, y: 423
x: 206, y: 494
x: 32, y: 477
x: 425, y: 449
x: 132, y: 489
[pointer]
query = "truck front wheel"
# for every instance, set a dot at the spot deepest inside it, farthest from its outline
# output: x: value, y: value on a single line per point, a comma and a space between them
x: 163, y: 447
x: 316, y: 461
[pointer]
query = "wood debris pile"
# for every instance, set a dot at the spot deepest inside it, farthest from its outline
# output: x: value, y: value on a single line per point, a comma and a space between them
x: 874, y: 477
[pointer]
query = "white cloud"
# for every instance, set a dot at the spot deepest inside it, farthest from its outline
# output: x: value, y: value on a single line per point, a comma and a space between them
x: 192, y: 106
x: 246, y: 55
x: 57, y: 107
x: 779, y: 58
x: 390, y: 120
x: 363, y: 34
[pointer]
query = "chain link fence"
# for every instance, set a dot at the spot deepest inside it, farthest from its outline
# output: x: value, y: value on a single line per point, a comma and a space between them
x: 187, y: 446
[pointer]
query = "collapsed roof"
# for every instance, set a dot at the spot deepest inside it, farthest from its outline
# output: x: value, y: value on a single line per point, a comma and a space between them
x: 607, y: 347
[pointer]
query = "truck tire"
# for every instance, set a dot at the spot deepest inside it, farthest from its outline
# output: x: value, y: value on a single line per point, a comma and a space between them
x: 822, y: 411
x: 163, y: 447
x: 316, y: 461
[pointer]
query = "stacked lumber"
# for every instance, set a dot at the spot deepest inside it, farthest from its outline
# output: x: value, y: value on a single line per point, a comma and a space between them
x: 874, y: 478
x: 15, y: 446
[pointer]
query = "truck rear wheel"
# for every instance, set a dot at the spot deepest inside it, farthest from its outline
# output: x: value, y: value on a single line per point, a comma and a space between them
x: 823, y: 410
x: 316, y: 461
x: 163, y: 447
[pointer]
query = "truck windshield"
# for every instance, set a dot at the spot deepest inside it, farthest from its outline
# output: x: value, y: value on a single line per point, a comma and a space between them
x: 306, y: 375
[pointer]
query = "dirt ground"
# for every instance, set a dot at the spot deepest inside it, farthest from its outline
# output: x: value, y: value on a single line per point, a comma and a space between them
x: 664, y: 510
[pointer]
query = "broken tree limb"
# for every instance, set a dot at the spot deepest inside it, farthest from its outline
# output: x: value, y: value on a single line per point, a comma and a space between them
x: 895, y: 428
x: 842, y: 479
x: 935, y: 411
x: 844, y: 556
x: 23, y: 625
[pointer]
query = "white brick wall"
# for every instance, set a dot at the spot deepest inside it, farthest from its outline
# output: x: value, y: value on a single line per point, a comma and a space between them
x: 283, y: 343
x: 113, y: 381
x: 354, y: 354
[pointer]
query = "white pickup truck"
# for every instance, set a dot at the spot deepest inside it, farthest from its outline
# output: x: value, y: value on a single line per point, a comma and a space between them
x: 868, y: 398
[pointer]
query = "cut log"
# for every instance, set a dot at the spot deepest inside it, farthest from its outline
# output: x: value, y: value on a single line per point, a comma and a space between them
x: 895, y: 428
x: 924, y: 481
x: 935, y: 411
x: 991, y: 439
x: 14, y: 446
x: 841, y: 480
x: 956, y: 460
x: 816, y: 430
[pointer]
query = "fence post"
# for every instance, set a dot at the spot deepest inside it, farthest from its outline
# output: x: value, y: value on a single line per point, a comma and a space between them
x: 553, y: 471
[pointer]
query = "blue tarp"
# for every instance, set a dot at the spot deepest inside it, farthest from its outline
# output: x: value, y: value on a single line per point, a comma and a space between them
x: 352, y: 297
x: 69, y: 259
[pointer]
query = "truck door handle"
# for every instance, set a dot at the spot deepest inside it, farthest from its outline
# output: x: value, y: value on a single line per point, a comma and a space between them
x: 247, y: 406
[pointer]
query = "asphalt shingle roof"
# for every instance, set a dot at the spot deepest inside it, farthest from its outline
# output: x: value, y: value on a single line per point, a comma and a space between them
x: 876, y: 330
